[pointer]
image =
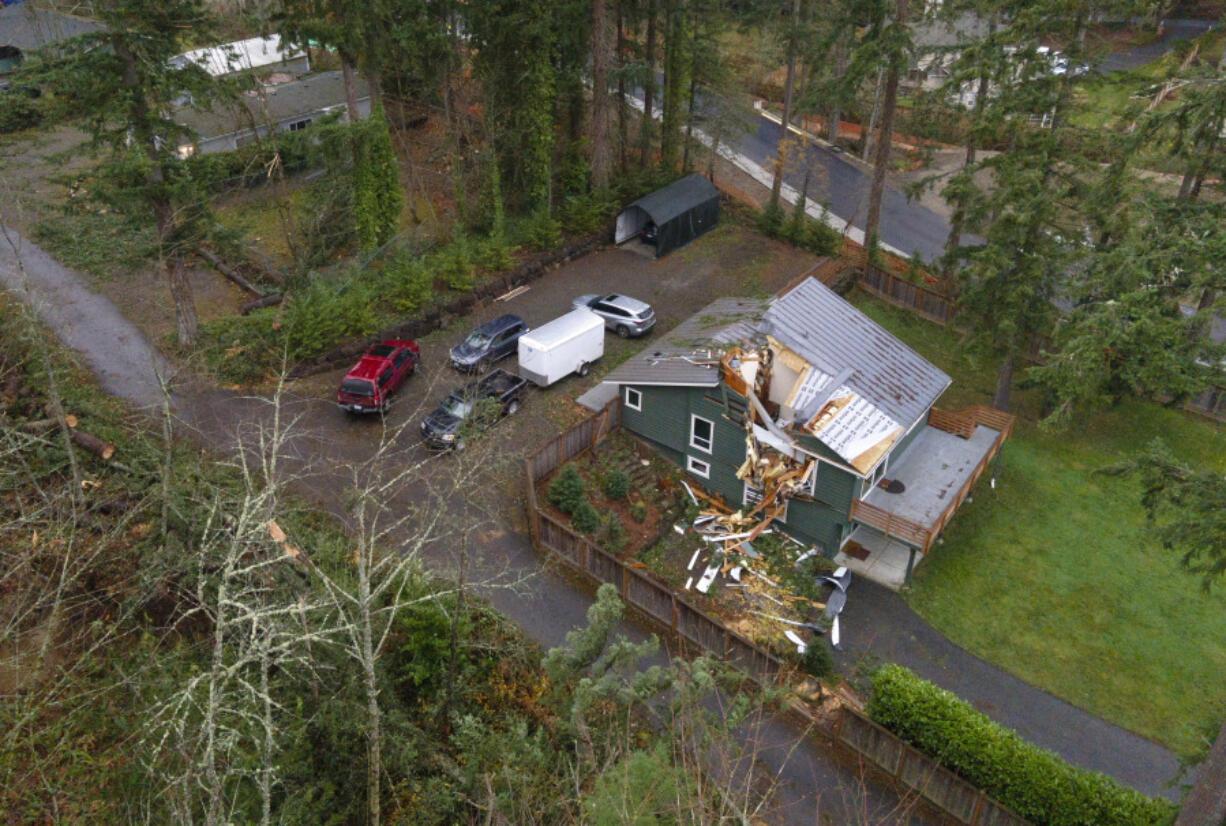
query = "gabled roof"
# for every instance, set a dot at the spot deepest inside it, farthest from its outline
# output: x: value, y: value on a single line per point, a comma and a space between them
x: 851, y: 362
x: 27, y: 28
x: 283, y: 102
x: 670, y: 359
x: 680, y: 196
x: 848, y: 346
x: 239, y: 56
x: 946, y: 33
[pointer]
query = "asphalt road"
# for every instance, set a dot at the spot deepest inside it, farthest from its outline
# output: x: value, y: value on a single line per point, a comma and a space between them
x: 843, y: 186
x: 1173, y: 31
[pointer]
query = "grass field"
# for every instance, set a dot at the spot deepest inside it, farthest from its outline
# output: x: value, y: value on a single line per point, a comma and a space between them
x: 1055, y: 575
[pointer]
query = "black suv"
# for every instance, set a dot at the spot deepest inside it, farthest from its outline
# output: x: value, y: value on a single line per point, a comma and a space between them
x: 492, y: 341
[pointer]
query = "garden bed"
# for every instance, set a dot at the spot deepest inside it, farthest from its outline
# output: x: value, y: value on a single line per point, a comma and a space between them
x: 649, y: 527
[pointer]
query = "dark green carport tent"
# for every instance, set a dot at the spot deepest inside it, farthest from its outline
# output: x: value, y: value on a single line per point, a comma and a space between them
x: 682, y: 211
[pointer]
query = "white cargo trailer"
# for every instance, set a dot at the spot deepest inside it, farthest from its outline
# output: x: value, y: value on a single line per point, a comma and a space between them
x: 568, y: 344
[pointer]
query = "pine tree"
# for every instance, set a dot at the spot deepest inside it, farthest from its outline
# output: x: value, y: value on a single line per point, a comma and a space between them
x: 377, y: 195
x: 125, y: 91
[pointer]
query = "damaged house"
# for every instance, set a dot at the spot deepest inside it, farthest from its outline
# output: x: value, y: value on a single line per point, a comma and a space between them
x: 802, y: 414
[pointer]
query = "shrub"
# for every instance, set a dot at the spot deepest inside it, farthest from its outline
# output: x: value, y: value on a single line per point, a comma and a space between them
x: 495, y: 253
x: 18, y: 111
x: 241, y: 349
x: 455, y: 264
x: 406, y: 282
x: 613, y: 535
x: 1033, y: 782
x: 585, y: 518
x: 638, y: 510
x: 616, y: 484
x: 540, y: 231
x: 817, y: 660
x: 566, y: 491
x: 770, y: 220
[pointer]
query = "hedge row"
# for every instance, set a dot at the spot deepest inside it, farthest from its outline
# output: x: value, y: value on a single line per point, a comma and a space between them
x: 1036, y: 784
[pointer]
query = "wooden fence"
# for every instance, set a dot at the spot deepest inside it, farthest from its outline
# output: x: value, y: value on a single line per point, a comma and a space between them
x: 940, y: 787
x: 916, y: 770
x: 923, y: 301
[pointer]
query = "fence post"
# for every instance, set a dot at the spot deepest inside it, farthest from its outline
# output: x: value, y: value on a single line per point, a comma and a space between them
x: 673, y: 596
x: 978, y: 807
x: 727, y: 640
x: 902, y: 760
x: 625, y: 581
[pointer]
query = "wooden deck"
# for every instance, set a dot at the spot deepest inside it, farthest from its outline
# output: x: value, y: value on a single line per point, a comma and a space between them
x: 961, y: 423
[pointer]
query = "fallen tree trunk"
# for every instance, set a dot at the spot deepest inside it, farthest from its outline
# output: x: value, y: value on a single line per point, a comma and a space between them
x: 86, y: 441
x: 267, y: 301
x: 229, y: 272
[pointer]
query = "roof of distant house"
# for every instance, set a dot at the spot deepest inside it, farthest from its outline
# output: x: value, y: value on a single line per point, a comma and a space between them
x: 946, y: 33
x: 27, y: 28
x: 239, y: 56
x: 275, y: 104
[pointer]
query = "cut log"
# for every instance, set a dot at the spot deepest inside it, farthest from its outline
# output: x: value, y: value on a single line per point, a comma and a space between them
x: 37, y: 425
x: 229, y: 272
x: 86, y: 441
x: 266, y: 301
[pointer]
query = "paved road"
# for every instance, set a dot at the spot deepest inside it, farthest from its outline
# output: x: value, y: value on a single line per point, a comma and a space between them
x: 879, y: 623
x: 843, y: 186
x: 1173, y: 31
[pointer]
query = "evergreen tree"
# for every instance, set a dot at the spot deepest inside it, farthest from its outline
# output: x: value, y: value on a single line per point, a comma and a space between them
x: 125, y: 92
x: 377, y: 195
x: 514, y: 62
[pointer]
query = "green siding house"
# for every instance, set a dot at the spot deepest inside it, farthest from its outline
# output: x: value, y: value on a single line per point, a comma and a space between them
x: 806, y: 385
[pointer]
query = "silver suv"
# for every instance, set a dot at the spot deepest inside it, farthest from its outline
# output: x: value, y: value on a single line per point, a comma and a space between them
x: 622, y: 314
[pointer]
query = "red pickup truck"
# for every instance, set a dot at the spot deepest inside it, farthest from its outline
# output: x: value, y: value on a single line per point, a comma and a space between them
x: 369, y: 384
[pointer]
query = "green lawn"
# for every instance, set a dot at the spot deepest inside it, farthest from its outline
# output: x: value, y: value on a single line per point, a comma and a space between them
x: 1054, y: 575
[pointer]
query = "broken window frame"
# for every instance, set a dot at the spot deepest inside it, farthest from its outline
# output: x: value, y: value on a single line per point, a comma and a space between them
x: 691, y: 461
x: 748, y: 502
x: 638, y: 395
x: 696, y: 440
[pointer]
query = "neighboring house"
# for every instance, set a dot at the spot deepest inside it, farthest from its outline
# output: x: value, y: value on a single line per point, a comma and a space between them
x: 286, y: 107
x: 938, y: 44
x: 257, y: 55
x: 806, y: 403
x: 25, y: 29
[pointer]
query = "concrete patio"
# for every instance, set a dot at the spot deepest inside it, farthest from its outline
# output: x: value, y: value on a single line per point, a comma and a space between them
x: 886, y: 563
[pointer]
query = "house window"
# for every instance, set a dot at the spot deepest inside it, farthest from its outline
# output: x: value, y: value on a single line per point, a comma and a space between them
x: 698, y: 467
x: 753, y: 495
x: 299, y: 125
x: 634, y: 399
x: 702, y: 433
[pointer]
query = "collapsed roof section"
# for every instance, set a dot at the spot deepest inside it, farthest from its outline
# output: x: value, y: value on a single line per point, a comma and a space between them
x: 809, y: 363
